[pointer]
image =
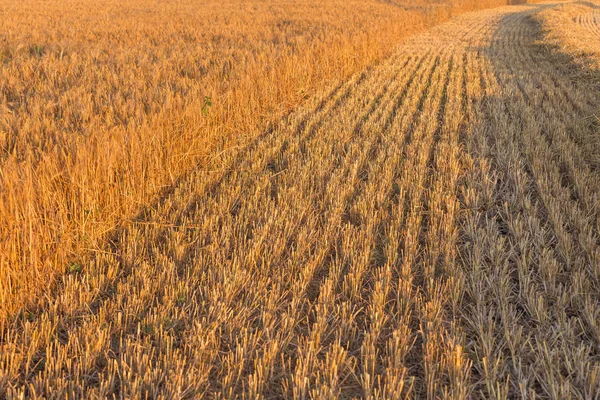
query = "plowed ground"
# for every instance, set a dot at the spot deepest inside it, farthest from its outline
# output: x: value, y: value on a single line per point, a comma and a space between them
x: 430, y: 228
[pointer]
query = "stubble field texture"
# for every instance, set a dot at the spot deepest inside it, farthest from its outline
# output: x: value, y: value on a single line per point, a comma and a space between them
x: 280, y: 199
x: 107, y: 104
x: 574, y: 28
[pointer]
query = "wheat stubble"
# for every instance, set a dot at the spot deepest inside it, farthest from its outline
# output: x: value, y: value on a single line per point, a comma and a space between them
x: 428, y: 228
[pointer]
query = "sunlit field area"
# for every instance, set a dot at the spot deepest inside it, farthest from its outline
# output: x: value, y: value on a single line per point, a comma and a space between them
x: 106, y: 104
x: 574, y: 28
x: 299, y: 199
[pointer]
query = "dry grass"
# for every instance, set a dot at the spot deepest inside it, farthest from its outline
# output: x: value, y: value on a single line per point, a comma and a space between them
x: 574, y: 28
x: 427, y: 228
x: 105, y: 105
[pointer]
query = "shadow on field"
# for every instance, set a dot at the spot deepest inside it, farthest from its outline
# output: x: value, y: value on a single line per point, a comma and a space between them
x: 538, y: 133
x: 588, y: 4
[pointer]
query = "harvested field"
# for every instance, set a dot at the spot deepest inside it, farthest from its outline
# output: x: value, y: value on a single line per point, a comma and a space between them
x: 574, y: 28
x: 427, y: 228
x: 104, y: 105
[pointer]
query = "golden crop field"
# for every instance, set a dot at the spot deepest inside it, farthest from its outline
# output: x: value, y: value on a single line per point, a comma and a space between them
x: 105, y: 105
x: 299, y: 199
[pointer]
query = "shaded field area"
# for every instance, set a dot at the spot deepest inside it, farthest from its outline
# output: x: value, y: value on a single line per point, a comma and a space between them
x: 427, y: 228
